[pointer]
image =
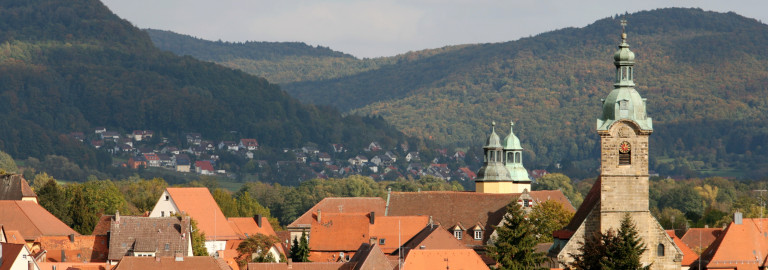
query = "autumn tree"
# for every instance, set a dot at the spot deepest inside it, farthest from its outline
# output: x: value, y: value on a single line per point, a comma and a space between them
x: 515, y: 242
x: 198, y: 240
x: 548, y: 217
x: 256, y: 248
x: 558, y: 181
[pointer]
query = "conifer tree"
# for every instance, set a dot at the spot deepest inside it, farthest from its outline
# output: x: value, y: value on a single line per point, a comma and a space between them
x: 612, y: 250
x: 514, y: 245
x: 300, y: 249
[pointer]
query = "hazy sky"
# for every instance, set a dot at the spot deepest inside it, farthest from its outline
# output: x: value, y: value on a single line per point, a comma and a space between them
x: 372, y: 28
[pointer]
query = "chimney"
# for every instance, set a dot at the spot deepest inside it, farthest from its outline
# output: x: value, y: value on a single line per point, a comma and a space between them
x: 63, y: 256
x: 178, y: 257
x: 737, y: 218
x: 372, y: 217
x: 72, y: 238
x: 319, y: 213
x: 117, y: 217
x: 258, y: 220
x: 30, y: 265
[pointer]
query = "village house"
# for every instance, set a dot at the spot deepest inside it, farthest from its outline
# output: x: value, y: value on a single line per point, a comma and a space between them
x: 149, y: 237
x: 16, y: 257
x: 142, y: 135
x: 32, y: 221
x: 72, y: 248
x: 172, y: 262
x: 249, y: 144
x: 742, y: 245
x: 204, y: 167
x: 199, y: 204
x: 335, y: 205
x: 15, y: 187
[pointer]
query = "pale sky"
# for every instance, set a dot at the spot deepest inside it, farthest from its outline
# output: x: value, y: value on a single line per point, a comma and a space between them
x: 373, y: 28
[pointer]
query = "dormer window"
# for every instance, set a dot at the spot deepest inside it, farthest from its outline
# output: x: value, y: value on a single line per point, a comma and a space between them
x: 478, y: 235
x: 457, y: 234
x: 624, y: 108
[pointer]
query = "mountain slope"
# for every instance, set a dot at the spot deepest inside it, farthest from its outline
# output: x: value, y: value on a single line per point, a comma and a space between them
x: 71, y: 65
x: 702, y: 72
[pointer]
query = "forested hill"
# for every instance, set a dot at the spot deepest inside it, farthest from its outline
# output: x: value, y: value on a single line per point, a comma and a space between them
x: 69, y: 66
x: 705, y: 76
x: 279, y: 62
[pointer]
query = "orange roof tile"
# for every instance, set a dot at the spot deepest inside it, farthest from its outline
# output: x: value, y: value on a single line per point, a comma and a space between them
x: 741, y: 246
x: 31, y: 220
x: 700, y: 238
x: 341, y: 205
x: 149, y: 263
x: 85, y: 248
x: 14, y: 237
x: 432, y: 237
x: 688, y: 255
x: 395, y: 230
x: 73, y: 265
x: 454, y: 259
x: 245, y: 226
x: 199, y: 204
x: 297, y: 266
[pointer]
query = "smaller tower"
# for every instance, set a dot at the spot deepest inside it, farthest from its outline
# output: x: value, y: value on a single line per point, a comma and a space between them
x: 502, y: 170
x: 513, y: 161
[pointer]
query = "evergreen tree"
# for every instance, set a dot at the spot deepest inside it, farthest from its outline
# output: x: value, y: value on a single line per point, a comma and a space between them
x: 83, y: 216
x: 514, y: 245
x: 612, y: 250
x: 300, y: 249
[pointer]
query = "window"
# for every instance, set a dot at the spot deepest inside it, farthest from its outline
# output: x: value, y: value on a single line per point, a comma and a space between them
x: 660, y: 250
x: 478, y: 235
x: 526, y: 203
x: 162, y: 213
x: 457, y: 234
x: 167, y: 246
x: 518, y: 157
x: 382, y: 241
x: 510, y: 157
x: 625, y: 153
x: 167, y: 197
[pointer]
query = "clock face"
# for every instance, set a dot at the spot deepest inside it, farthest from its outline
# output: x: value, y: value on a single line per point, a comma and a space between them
x: 625, y: 147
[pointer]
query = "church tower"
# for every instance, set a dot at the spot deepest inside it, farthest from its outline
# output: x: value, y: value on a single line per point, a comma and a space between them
x: 622, y: 187
x: 502, y: 170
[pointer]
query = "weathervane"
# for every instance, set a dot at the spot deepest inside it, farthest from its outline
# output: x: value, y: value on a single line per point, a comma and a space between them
x: 623, y: 28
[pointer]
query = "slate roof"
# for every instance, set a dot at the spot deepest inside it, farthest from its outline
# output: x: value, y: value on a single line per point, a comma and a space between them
x: 31, y: 220
x: 688, y: 255
x: 161, y: 263
x: 741, y: 246
x: 454, y: 259
x: 14, y: 187
x: 199, y: 204
x: 700, y: 238
x: 450, y: 208
x: 148, y: 234
x: 341, y: 205
x: 85, y: 248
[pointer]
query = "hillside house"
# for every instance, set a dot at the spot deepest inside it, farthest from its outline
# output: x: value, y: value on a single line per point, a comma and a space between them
x: 204, y: 167
x: 249, y: 144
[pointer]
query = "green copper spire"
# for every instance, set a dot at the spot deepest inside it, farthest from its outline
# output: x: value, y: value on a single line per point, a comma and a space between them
x: 493, y: 159
x: 513, y: 157
x: 624, y: 102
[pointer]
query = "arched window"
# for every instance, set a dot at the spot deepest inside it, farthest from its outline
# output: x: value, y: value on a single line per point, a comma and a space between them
x: 660, y: 250
x: 510, y: 157
x: 518, y: 158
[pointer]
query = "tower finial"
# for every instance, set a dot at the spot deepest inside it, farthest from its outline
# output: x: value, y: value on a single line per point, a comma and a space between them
x: 623, y: 29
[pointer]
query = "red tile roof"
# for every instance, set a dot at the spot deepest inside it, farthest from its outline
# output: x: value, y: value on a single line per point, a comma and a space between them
x: 9, y: 254
x: 204, y: 165
x: 449, y: 208
x: 161, y: 263
x: 741, y: 246
x: 297, y: 266
x: 73, y: 265
x: 85, y: 248
x: 454, y: 259
x: 31, y: 220
x: 199, y: 204
x: 688, y: 255
x: 341, y: 205
x: 247, y: 226
x: 163, y: 235
x: 14, y: 237
x: 102, y: 226
x: 699, y: 239
x: 345, y: 232
x: 432, y: 237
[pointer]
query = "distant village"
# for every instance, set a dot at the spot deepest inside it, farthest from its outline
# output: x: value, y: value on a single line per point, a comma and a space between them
x: 201, y: 156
